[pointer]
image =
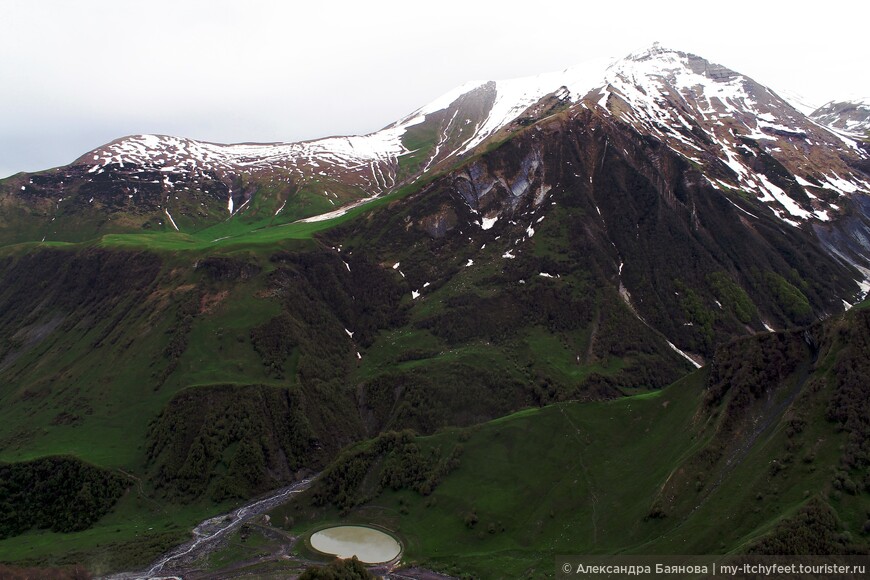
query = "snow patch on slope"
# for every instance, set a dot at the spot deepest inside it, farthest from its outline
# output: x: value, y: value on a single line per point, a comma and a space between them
x: 514, y: 96
x: 672, y: 95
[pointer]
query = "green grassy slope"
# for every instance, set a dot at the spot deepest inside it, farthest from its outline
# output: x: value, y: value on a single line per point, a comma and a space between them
x: 687, y: 470
x: 96, y: 348
x: 538, y: 483
x: 212, y: 324
x: 71, y: 204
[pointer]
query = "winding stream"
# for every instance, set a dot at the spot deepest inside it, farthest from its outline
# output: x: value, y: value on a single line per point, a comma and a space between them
x: 213, y: 528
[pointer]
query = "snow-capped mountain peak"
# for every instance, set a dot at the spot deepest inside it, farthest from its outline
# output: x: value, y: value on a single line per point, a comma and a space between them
x: 739, y: 135
x: 719, y: 119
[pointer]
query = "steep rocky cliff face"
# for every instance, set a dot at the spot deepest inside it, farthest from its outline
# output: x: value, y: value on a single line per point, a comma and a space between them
x: 584, y: 195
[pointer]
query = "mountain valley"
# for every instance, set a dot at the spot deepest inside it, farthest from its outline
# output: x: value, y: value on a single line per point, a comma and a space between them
x: 635, y: 288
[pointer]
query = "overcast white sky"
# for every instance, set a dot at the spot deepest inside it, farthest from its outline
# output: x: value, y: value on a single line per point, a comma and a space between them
x: 75, y: 74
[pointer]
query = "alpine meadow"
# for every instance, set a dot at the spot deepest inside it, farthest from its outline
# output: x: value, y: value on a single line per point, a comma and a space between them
x: 613, y: 310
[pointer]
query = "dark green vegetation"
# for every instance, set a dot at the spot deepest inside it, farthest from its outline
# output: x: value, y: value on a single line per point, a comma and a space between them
x: 393, y: 347
x: 764, y: 453
x: 233, y: 442
x: 351, y: 569
x: 402, y: 463
x: 57, y: 493
x: 339, y: 570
